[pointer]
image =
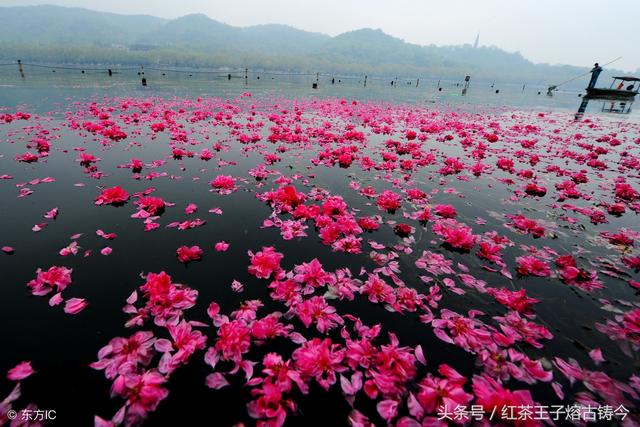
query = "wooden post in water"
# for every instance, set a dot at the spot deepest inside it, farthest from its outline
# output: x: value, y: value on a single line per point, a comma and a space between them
x: 365, y: 80
x: 466, y: 85
x: 143, y: 78
x: 20, y: 68
x: 417, y: 82
x: 110, y: 72
x: 246, y: 76
x: 315, y: 85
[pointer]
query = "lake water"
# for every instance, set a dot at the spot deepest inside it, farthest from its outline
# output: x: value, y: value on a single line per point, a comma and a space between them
x: 43, y: 88
x: 212, y: 113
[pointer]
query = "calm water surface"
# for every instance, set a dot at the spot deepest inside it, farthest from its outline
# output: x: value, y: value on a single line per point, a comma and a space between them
x: 61, y: 346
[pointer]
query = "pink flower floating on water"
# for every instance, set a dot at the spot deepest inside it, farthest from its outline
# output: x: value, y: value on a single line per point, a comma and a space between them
x: 265, y: 262
x: 27, y: 157
x: 224, y: 183
x: 187, y: 254
x: 54, y: 279
x: 112, y: 196
x: 150, y: 205
x: 532, y: 266
x: 456, y: 235
x: 388, y: 201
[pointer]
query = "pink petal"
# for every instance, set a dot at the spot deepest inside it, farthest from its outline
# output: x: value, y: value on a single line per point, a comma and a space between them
x: 216, y: 381
x: 20, y: 372
x: 596, y: 355
x: 221, y: 246
x: 191, y: 208
x: 387, y: 409
x: 75, y: 305
x: 56, y: 299
x: 420, y: 355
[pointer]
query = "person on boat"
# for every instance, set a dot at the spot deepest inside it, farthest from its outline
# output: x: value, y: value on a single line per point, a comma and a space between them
x: 620, y: 86
x: 595, y: 72
x: 630, y: 87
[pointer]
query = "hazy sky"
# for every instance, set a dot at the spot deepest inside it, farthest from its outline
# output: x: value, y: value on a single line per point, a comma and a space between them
x: 577, y: 32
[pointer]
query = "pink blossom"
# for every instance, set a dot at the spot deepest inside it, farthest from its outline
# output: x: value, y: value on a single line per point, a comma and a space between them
x: 445, y: 211
x: 270, y: 405
x: 456, y: 235
x: 402, y: 229
x: 368, y: 223
x: 626, y: 192
x: 265, y: 262
x: 435, y: 392
x: 151, y: 205
x: 57, y: 278
x: 535, y: 190
x: 136, y: 350
x: 144, y: 393
x: 321, y: 360
x: 166, y: 300
x: 492, y: 395
x: 184, y: 342
x: 532, y: 266
x: 490, y: 252
x: 234, y: 339
x: 223, y: 182
x: 112, y: 196
x: 515, y: 300
x: 527, y: 225
x: 269, y: 327
x: 434, y: 263
x: 312, y: 274
x: 388, y: 201
x: 187, y: 254
x: 466, y: 332
x: 378, y: 290
x: 316, y: 310
x: 27, y: 157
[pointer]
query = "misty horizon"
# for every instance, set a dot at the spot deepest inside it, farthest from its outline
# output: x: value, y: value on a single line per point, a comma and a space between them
x: 501, y: 27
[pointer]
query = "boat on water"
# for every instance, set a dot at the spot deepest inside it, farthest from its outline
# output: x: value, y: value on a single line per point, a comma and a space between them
x: 626, y: 88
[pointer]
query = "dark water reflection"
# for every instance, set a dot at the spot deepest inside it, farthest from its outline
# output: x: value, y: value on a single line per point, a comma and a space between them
x: 61, y: 346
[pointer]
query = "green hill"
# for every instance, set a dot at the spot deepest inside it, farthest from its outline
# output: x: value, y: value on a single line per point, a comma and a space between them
x: 78, y: 36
